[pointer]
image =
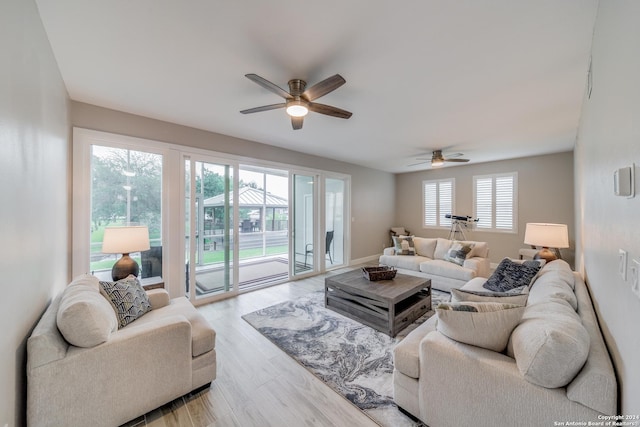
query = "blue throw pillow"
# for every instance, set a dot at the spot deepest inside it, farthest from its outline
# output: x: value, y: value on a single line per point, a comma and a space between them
x: 512, y: 275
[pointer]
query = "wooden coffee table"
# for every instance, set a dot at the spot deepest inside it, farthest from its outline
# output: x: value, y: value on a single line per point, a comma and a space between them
x: 385, y: 305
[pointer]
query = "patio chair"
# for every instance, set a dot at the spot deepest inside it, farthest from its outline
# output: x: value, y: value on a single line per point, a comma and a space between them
x: 328, y: 241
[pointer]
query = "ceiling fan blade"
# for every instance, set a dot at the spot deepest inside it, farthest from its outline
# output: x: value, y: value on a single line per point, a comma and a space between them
x: 264, y: 108
x: 329, y: 110
x: 324, y: 87
x: 456, y: 160
x: 296, y: 122
x: 268, y: 85
x: 419, y: 163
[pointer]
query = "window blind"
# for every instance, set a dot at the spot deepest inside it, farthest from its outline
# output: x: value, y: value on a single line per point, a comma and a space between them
x: 438, y: 201
x: 495, y: 201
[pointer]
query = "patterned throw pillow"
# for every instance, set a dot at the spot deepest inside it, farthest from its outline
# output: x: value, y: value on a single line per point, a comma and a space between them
x: 458, y: 252
x: 404, y: 245
x: 483, y: 324
x: 128, y: 299
x: 512, y: 276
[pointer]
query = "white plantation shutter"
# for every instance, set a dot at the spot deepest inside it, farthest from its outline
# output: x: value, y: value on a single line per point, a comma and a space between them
x: 437, y: 202
x: 445, y: 202
x: 496, y: 201
x: 430, y: 203
x: 484, y: 202
x: 504, y: 203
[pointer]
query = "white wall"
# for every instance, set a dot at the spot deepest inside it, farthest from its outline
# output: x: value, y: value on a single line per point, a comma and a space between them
x: 34, y: 190
x: 609, y: 138
x: 545, y: 194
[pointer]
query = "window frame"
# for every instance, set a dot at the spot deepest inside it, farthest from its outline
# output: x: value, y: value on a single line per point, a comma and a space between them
x: 441, y: 222
x: 514, y: 203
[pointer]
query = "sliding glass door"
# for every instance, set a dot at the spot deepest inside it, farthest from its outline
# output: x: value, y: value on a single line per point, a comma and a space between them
x: 335, y: 224
x: 210, y: 233
x: 303, y: 226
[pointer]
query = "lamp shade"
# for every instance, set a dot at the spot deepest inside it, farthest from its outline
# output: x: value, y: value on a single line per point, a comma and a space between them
x: 124, y: 240
x: 547, y: 235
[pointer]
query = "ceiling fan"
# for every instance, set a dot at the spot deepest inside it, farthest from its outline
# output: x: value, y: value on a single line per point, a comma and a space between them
x: 437, y: 159
x: 299, y: 99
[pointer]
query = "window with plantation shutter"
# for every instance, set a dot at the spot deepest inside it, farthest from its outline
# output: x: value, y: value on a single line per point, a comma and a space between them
x: 437, y: 198
x: 496, y: 201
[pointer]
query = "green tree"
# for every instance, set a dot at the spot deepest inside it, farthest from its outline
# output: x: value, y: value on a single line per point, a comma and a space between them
x: 127, y: 187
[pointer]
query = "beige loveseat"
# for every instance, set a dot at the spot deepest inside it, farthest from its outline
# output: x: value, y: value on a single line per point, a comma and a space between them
x: 113, y: 375
x: 429, y: 261
x: 541, y: 378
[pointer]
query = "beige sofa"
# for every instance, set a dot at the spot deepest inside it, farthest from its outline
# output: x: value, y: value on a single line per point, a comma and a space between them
x: 429, y: 261
x: 113, y: 375
x: 444, y: 382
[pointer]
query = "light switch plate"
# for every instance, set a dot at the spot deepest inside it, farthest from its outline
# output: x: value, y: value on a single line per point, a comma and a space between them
x: 622, y: 263
x: 635, y: 277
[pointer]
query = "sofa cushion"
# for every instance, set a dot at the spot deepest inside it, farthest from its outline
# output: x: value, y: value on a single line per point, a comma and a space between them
x: 554, y: 281
x: 480, y: 249
x: 510, y: 275
x: 442, y: 247
x: 128, y: 299
x: 550, y: 344
x: 406, y: 355
x: 406, y: 262
x: 203, y: 336
x: 439, y: 267
x: 458, y: 252
x: 483, y: 324
x: 404, y: 245
x: 425, y: 246
x: 461, y: 295
x: 85, y: 318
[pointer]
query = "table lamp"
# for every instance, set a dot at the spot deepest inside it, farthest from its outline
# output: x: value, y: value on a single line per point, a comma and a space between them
x: 125, y: 240
x: 554, y: 236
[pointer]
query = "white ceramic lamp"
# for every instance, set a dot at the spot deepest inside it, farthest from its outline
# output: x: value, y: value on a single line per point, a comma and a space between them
x: 554, y: 236
x: 125, y: 240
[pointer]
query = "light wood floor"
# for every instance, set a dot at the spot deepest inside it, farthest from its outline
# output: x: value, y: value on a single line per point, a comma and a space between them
x: 257, y: 383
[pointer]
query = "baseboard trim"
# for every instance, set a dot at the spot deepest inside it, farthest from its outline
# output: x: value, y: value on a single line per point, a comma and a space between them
x: 364, y: 260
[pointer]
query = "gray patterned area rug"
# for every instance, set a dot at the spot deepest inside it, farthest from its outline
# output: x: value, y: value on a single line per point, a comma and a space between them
x: 353, y: 359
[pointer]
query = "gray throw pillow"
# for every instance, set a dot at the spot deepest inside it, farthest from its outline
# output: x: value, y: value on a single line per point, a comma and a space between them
x: 510, y: 275
x: 404, y: 245
x: 458, y: 252
x: 128, y: 299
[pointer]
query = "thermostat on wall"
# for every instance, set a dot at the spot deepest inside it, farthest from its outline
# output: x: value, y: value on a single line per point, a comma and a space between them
x: 624, y: 181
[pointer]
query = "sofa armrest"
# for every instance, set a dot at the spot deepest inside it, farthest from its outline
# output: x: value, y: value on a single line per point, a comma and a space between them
x: 452, y: 374
x: 140, y: 368
x: 481, y: 266
x: 389, y: 251
x: 158, y: 298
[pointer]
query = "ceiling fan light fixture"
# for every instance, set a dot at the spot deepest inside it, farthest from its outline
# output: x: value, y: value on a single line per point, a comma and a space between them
x: 297, y: 108
x: 437, y: 162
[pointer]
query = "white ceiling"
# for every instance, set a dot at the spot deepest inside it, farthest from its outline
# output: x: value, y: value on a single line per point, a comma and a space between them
x: 493, y: 79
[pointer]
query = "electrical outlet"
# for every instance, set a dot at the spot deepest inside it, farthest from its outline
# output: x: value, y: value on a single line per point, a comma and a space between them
x: 635, y: 277
x: 622, y: 263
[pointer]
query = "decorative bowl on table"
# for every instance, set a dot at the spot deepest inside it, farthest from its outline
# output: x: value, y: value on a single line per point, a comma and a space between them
x: 378, y: 273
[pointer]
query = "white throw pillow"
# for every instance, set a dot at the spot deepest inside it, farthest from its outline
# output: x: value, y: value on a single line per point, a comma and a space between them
x: 483, y: 324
